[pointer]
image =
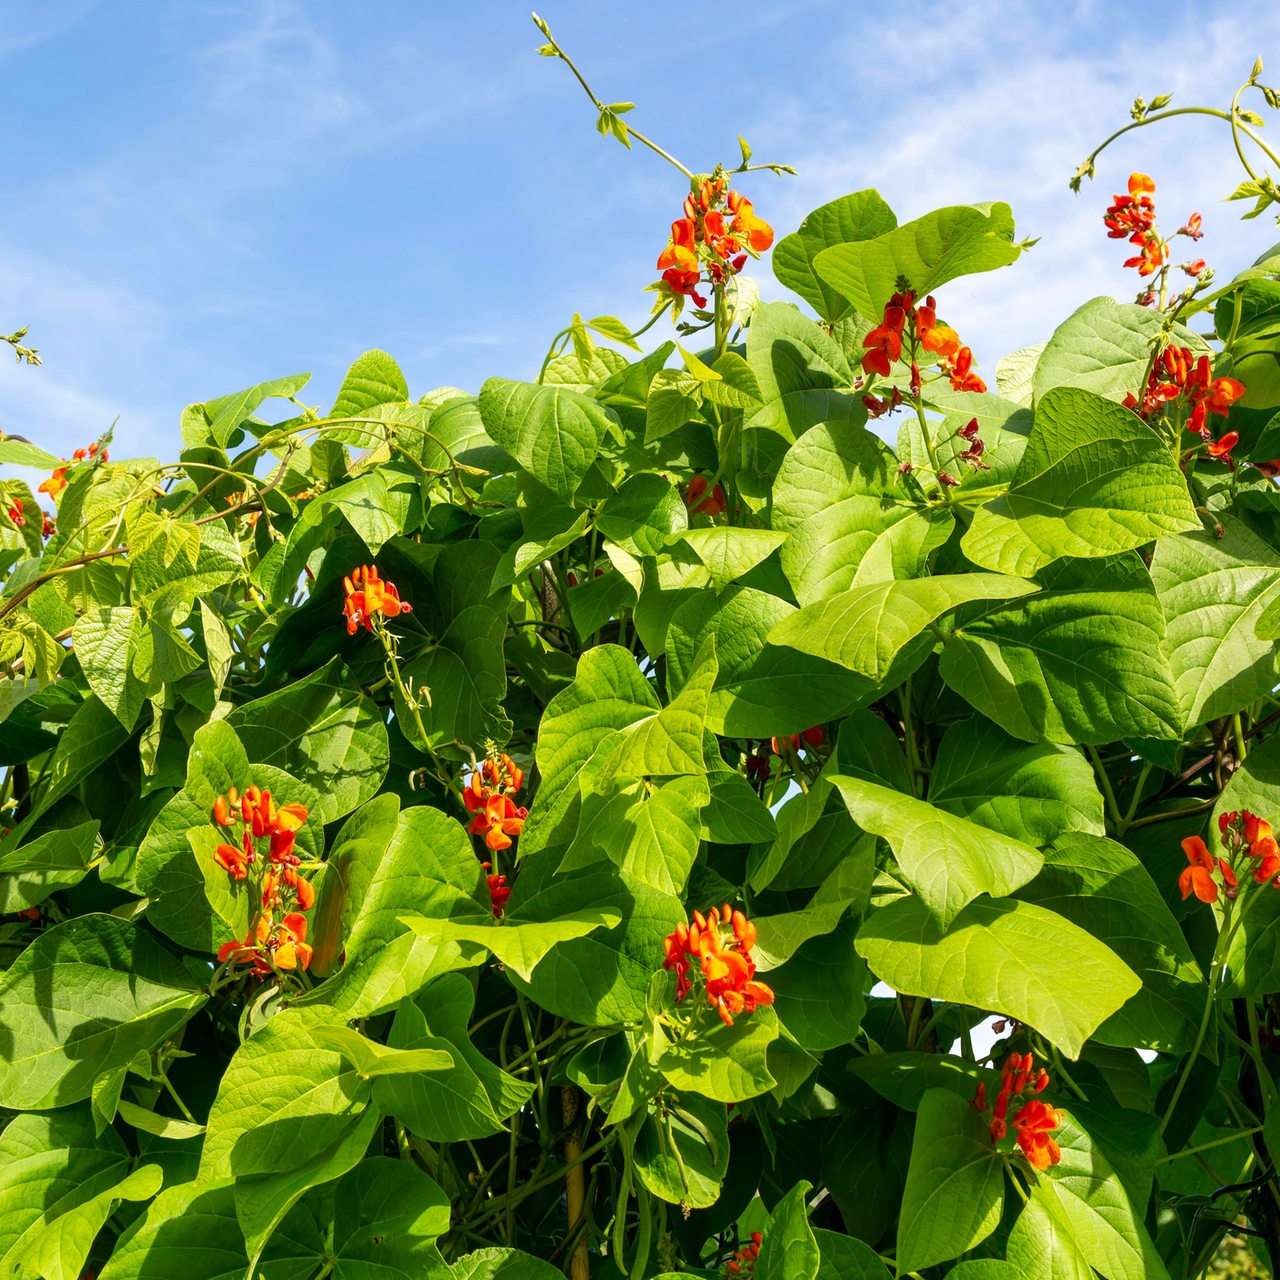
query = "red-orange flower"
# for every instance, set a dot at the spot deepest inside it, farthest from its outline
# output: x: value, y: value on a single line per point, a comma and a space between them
x: 1222, y: 448
x: 1135, y: 214
x: 743, y: 1263
x: 16, y: 516
x: 958, y: 368
x: 758, y: 233
x: 1034, y: 1121
x: 55, y: 484
x: 697, y: 498
x: 680, y: 252
x: 1033, y: 1124
x: 1198, y: 878
x: 721, y: 943
x: 499, y: 892
x: 367, y: 596
x: 489, y: 797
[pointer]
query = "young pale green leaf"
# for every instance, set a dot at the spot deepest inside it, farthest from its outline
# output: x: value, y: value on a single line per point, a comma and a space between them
x: 1103, y: 887
x: 1033, y: 792
x: 1010, y: 957
x: 49, y: 1164
x: 948, y: 860
x: 374, y: 379
x: 730, y: 553
x: 1015, y: 374
x: 1214, y: 592
x: 504, y: 1264
x: 865, y: 628
x: 471, y: 1098
x: 554, y: 432
x: 372, y: 1060
x: 803, y: 375
x: 1082, y: 661
x: 160, y: 1126
x: 860, y: 216
x: 102, y: 643
x: 1105, y: 348
x: 1094, y: 480
x: 119, y: 994
x: 941, y: 246
x: 955, y: 1184
x: 518, y: 946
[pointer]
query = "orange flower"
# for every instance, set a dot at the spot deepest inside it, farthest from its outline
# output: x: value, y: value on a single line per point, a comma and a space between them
x: 1198, y: 878
x: 367, y: 596
x: 743, y: 1263
x: 1033, y: 1124
x: 958, y: 369
x: 1132, y: 215
x: 234, y: 860
x: 1152, y: 258
x: 758, y: 233
x: 289, y: 945
x: 499, y: 892
x: 721, y: 942
x: 488, y: 796
x: 697, y: 499
x: 55, y: 484
x: 1222, y: 448
x: 680, y: 252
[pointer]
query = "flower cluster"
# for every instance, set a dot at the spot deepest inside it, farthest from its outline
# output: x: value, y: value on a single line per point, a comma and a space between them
x: 367, y: 597
x: 499, y: 890
x: 55, y: 484
x: 743, y: 1263
x: 1034, y: 1121
x: 813, y: 737
x: 277, y: 933
x: 1244, y: 835
x: 489, y: 796
x: 721, y: 943
x: 704, y: 246
x: 1178, y: 375
x: 918, y: 326
x: 15, y: 515
x: 702, y: 496
x: 1133, y: 217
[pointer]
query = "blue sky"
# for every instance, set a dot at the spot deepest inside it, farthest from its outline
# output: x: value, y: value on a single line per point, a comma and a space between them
x: 202, y: 194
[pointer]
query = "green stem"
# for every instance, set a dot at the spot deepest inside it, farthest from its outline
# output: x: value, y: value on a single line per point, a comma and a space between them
x: 1207, y: 1146
x: 1104, y: 782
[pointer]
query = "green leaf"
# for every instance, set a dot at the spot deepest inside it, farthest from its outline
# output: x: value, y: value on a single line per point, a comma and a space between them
x: 49, y: 1164
x: 325, y: 732
x: 1082, y: 661
x: 601, y: 978
x: 1214, y: 591
x: 102, y: 643
x: 283, y: 1099
x: 860, y: 216
x: 519, y: 946
x: 955, y: 1184
x: 373, y: 379
x: 1033, y: 792
x: 553, y: 432
x: 681, y: 1153
x: 675, y: 397
x: 946, y: 859
x: 1102, y: 887
x: 726, y: 1064
x: 644, y: 515
x: 730, y: 553
x: 941, y: 246
x: 52, y: 861
x: 789, y: 1250
x: 1081, y: 1209
x: 1015, y: 373
x: 372, y: 1060
x: 1105, y: 348
x: 92, y: 736
x: 820, y: 989
x: 22, y: 453
x: 159, y: 1126
x: 225, y: 414
x: 841, y: 498
x: 1094, y: 480
x: 188, y: 1230
x: 503, y: 1264
x: 865, y: 628
x: 761, y: 690
x: 848, y: 1258
x: 608, y: 693
x: 59, y: 1250
x: 1010, y: 957
x: 803, y: 374
x: 469, y: 1099
x: 119, y: 994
